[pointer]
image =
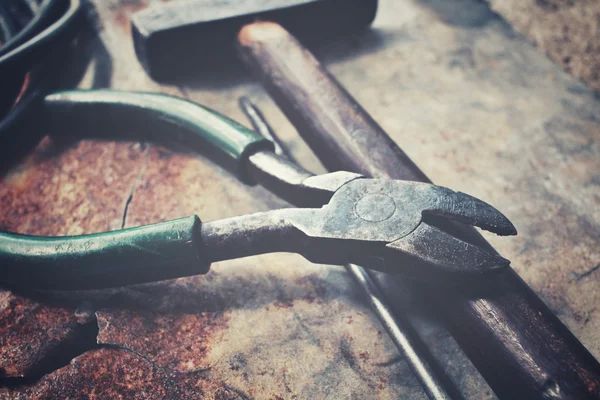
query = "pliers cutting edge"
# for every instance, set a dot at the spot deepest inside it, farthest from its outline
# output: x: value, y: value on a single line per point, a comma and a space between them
x: 345, y: 217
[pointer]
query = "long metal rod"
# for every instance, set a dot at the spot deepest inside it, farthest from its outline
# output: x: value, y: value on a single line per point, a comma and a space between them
x: 406, y: 339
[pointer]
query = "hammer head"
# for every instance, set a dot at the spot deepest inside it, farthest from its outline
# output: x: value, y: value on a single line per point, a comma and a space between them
x: 199, y: 35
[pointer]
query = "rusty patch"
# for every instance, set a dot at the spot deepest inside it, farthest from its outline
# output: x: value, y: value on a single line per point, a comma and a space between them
x: 284, y: 304
x: 364, y: 356
x: 117, y: 374
x: 73, y: 190
x: 125, y: 9
x: 31, y: 333
x: 177, y: 342
x: 176, y: 323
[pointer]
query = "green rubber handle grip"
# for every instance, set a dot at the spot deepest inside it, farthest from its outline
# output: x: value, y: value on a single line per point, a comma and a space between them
x: 168, y: 120
x: 137, y: 255
x: 148, y: 253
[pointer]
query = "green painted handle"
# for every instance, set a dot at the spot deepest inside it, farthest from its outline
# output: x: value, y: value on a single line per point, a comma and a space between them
x: 148, y: 253
x: 136, y: 255
x: 168, y: 120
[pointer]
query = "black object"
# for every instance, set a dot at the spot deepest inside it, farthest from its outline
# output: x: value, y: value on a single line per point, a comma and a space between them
x: 34, y: 35
x: 183, y: 38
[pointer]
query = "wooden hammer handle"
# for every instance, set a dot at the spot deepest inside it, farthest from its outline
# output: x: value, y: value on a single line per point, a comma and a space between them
x: 520, y: 347
x: 340, y: 132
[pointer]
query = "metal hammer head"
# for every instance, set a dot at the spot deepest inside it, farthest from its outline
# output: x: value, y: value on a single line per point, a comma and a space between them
x: 200, y: 35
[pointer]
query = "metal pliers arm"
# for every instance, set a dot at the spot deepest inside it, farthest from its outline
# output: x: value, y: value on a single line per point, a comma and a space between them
x: 346, y: 217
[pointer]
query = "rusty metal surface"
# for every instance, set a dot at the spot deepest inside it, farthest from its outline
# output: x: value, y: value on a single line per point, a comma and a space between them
x: 32, y: 334
x: 477, y: 108
x: 119, y: 374
x: 44, y: 196
x: 567, y: 31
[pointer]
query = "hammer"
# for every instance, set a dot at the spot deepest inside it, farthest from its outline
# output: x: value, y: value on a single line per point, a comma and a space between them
x: 188, y: 37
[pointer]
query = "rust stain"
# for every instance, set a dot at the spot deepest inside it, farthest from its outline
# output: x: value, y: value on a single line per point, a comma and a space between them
x: 30, y: 332
x: 285, y: 304
x: 18, y: 179
x: 177, y: 342
x: 286, y: 384
x: 364, y: 356
x: 74, y: 190
x: 125, y: 9
x: 382, y: 383
x: 118, y: 374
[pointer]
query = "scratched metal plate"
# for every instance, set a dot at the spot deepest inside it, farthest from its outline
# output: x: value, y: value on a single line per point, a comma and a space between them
x: 477, y: 107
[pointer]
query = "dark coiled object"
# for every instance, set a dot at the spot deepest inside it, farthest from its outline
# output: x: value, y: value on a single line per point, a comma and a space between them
x: 33, y: 36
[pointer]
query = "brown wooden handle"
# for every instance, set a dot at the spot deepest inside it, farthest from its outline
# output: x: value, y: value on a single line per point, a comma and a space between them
x: 336, y: 127
x: 520, y: 347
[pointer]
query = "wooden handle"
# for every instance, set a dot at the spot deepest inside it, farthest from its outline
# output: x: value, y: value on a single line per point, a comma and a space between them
x: 519, y: 346
x: 336, y: 127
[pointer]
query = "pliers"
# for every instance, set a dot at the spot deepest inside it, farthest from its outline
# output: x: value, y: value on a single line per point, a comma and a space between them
x: 344, y: 217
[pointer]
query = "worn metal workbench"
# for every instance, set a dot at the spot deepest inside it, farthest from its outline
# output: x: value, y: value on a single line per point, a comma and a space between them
x: 477, y: 107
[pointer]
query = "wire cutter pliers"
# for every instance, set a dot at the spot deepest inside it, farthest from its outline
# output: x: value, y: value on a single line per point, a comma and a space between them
x: 345, y: 217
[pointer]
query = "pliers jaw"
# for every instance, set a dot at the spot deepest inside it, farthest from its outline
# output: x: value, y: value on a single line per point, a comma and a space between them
x: 380, y: 223
x: 430, y: 254
x: 374, y: 222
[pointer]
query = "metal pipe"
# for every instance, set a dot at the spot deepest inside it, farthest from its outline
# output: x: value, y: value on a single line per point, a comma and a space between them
x: 407, y: 341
